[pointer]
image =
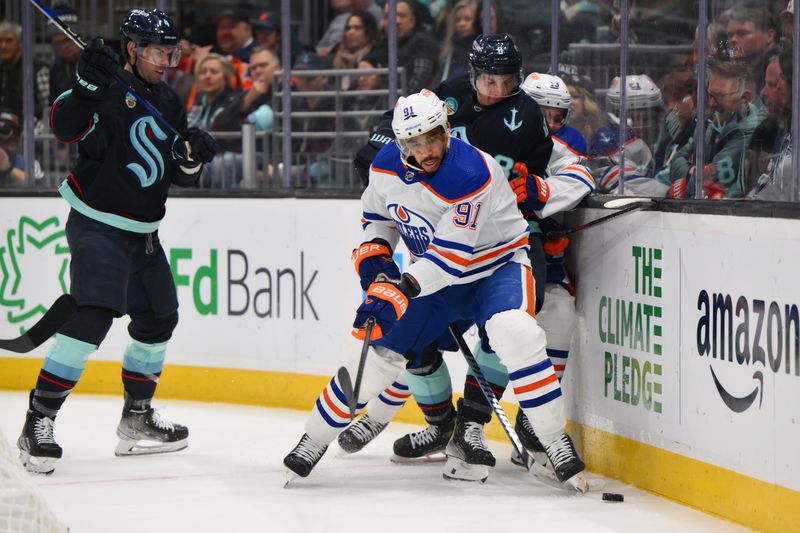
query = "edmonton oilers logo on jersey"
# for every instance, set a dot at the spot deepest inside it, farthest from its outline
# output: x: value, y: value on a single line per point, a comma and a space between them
x: 415, y: 230
x: 141, y: 135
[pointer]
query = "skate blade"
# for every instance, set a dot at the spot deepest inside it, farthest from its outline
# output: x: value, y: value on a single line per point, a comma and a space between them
x: 127, y: 447
x: 437, y: 457
x: 290, y: 476
x: 458, y: 470
x: 578, y: 483
x: 538, y: 457
x: 38, y: 465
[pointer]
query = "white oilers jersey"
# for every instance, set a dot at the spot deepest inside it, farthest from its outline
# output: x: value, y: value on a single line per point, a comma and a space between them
x: 460, y: 224
x: 569, y: 179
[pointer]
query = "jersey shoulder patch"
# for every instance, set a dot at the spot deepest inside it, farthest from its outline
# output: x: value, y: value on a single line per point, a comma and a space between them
x: 463, y: 173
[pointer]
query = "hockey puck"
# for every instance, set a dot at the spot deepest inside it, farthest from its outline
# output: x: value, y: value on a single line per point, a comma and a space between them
x: 613, y: 497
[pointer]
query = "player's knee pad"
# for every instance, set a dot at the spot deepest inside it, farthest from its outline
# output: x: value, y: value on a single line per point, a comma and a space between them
x: 557, y: 317
x: 381, y: 368
x: 151, y: 329
x: 89, y: 324
x: 432, y: 388
x: 516, y: 338
x: 493, y: 369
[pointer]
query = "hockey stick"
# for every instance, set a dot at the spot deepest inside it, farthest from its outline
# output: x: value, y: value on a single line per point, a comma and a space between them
x: 46, y: 327
x: 628, y: 205
x: 361, y: 362
x: 486, y: 389
x: 78, y: 41
x: 543, y: 474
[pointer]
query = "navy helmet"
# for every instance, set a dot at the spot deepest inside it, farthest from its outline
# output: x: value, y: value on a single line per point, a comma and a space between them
x: 147, y: 27
x: 495, y: 53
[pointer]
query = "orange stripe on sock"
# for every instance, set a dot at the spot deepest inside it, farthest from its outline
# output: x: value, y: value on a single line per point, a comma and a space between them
x: 333, y: 407
x: 536, y: 384
x: 397, y: 394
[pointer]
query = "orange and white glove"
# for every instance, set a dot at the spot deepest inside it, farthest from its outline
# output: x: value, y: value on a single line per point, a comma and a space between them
x: 531, y: 190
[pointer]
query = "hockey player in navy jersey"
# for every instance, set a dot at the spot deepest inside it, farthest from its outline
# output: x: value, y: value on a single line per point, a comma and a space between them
x: 453, y: 208
x: 127, y: 161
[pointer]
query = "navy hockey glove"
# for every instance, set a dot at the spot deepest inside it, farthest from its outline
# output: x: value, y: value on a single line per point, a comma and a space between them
x: 387, y: 301
x: 373, y: 258
x: 532, y: 191
x: 95, y: 69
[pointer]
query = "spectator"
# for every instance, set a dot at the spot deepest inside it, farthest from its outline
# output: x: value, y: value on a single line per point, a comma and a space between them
x: 462, y: 28
x: 214, y: 75
x: 62, y: 71
x: 752, y: 38
x: 678, y: 89
x: 335, y: 31
x: 370, y: 102
x: 12, y: 164
x: 417, y: 52
x: 584, y: 114
x: 268, y: 33
x: 787, y: 18
x: 776, y: 182
x: 234, y: 34
x: 734, y: 115
x: 253, y: 106
x: 11, y: 73
x: 360, y: 37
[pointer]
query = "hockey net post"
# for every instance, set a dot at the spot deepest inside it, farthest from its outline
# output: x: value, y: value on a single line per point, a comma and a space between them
x: 22, y: 506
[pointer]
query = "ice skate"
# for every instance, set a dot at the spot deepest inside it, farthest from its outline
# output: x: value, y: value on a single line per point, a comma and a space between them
x: 566, y: 462
x: 304, y: 457
x: 529, y: 440
x: 360, y: 433
x: 38, y: 450
x: 468, y: 457
x: 143, y: 431
x: 424, y: 445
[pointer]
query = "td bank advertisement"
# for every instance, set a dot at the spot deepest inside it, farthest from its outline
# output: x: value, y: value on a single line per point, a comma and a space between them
x: 689, y: 338
x: 263, y: 284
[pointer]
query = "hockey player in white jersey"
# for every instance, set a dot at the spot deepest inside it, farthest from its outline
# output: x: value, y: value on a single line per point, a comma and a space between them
x: 569, y: 181
x: 451, y: 205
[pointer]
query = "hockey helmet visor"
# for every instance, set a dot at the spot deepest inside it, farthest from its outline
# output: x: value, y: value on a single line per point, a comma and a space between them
x: 495, y: 55
x: 145, y: 28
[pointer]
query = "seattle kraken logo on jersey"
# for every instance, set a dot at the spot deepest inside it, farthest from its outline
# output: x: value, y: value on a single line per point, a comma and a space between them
x: 415, y: 230
x: 142, y: 143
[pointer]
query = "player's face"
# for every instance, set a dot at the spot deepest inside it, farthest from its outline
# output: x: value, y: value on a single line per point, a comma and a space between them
x: 153, y: 60
x: 554, y: 117
x: 492, y: 88
x: 429, y: 149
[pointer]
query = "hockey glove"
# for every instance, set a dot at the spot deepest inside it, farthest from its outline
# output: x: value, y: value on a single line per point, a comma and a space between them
x: 713, y: 190
x: 198, y: 147
x: 372, y: 258
x: 387, y: 301
x: 556, y: 246
x: 531, y: 190
x: 95, y: 69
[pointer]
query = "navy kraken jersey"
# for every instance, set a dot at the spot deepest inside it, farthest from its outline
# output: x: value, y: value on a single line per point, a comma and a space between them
x: 124, y: 164
x: 512, y: 130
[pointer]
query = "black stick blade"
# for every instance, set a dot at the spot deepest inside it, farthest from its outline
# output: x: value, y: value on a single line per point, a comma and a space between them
x: 343, y: 377
x: 46, y: 327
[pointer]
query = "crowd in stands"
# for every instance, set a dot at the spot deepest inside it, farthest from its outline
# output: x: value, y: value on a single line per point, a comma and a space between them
x: 230, y: 82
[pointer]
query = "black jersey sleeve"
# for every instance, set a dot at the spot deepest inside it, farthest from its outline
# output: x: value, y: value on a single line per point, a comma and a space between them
x: 380, y: 137
x: 72, y: 116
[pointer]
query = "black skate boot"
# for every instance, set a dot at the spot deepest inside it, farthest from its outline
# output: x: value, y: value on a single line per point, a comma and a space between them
x: 564, y: 458
x: 38, y: 450
x: 468, y: 457
x: 360, y: 433
x: 529, y: 440
x: 305, y: 456
x: 143, y: 431
x: 420, y: 446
